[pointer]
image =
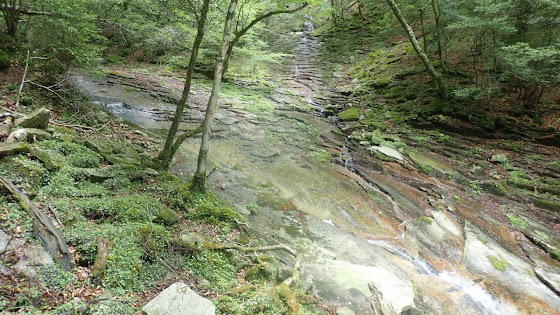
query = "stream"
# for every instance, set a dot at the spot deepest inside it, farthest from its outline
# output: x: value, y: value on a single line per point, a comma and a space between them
x: 368, y: 237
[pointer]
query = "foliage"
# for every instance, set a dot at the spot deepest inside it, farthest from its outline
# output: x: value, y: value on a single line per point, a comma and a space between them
x: 75, y: 154
x: 534, y: 67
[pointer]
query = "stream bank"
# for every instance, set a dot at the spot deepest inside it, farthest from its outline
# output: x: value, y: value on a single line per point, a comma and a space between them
x: 404, y: 227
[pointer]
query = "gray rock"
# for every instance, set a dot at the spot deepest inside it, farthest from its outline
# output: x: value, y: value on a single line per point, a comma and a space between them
x: 390, y: 152
x: 52, y: 161
x: 13, y: 148
x: 179, y: 299
x: 484, y: 256
x: 34, y: 134
x: 6, y: 125
x: 344, y: 311
x: 4, y: 241
x: 17, y: 136
x: 549, y: 277
x: 37, y: 119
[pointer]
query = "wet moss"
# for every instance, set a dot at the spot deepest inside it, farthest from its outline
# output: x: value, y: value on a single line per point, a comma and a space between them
x: 349, y: 114
x: 498, y: 263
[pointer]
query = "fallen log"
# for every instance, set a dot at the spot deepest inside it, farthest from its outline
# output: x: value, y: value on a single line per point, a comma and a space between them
x: 49, y: 236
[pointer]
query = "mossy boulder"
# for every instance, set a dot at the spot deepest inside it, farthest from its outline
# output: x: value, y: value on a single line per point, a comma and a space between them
x: 37, y: 119
x: 167, y: 217
x: 349, y: 114
x: 51, y: 160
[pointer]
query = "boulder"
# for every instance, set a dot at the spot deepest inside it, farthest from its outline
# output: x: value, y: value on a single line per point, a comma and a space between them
x: 6, y: 125
x: 17, y: 136
x: 34, y: 134
x: 4, y: 241
x: 167, y: 217
x: 37, y: 119
x: 13, y: 148
x: 179, y: 299
x: 52, y: 161
x: 550, y: 277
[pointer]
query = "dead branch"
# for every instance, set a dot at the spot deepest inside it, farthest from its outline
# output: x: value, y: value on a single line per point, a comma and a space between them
x: 48, y: 89
x: 22, y: 79
x: 51, y: 238
x: 77, y: 127
x: 240, y: 248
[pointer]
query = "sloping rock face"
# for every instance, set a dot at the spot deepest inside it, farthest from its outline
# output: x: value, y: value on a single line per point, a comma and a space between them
x: 179, y: 299
x: 484, y: 255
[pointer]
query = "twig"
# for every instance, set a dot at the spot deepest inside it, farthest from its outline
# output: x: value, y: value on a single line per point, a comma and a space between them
x: 48, y: 89
x: 79, y: 127
x: 22, y: 80
x: 10, y: 111
x: 252, y: 249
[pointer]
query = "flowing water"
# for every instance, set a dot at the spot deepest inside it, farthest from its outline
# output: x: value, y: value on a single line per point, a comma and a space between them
x: 361, y: 234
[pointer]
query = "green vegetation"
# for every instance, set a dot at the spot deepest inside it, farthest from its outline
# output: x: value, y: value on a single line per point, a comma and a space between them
x: 498, y: 263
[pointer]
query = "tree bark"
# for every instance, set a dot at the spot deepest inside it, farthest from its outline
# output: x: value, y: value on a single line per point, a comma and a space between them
x: 248, y: 27
x: 166, y: 155
x: 439, y: 33
x: 436, y: 76
x: 199, y: 180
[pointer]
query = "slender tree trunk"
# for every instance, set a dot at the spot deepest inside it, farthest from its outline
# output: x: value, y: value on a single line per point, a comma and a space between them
x: 439, y: 33
x: 199, y: 180
x: 424, y: 35
x: 360, y: 10
x: 436, y: 76
x: 166, y: 155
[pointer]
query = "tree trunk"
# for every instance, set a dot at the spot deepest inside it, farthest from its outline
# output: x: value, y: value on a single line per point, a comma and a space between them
x: 442, y: 89
x: 424, y: 35
x: 166, y: 155
x: 199, y: 180
x: 439, y: 33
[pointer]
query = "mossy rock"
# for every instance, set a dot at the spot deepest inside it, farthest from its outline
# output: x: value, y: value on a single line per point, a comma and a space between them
x: 51, y: 160
x: 546, y: 204
x: 262, y: 271
x: 349, y: 114
x: 167, y: 216
x: 13, y: 148
x: 495, y: 187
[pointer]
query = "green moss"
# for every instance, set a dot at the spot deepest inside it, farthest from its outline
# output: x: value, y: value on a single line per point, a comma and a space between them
x: 218, y: 268
x: 349, y: 114
x: 494, y: 187
x: 320, y: 155
x: 424, y: 220
x: 498, y: 263
x: 518, y: 222
x: 253, y: 208
x: 75, y: 154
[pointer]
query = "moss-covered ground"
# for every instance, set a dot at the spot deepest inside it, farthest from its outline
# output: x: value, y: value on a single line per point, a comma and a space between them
x: 93, y: 193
